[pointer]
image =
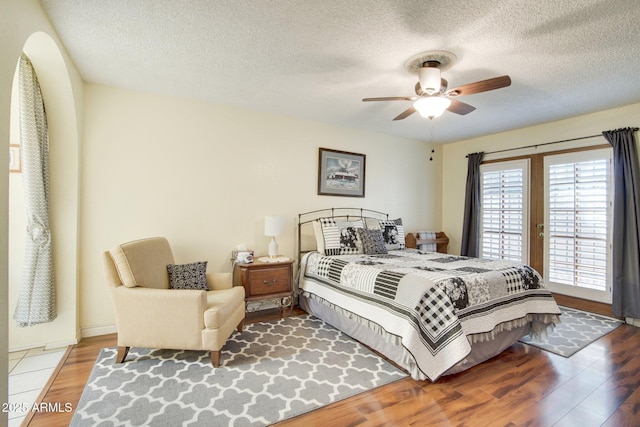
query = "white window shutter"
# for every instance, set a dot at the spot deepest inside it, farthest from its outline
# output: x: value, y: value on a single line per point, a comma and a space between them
x: 504, y: 211
x: 577, y: 222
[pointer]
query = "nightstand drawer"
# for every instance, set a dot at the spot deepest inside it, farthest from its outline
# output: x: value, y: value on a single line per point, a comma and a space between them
x: 266, y: 284
x: 269, y: 281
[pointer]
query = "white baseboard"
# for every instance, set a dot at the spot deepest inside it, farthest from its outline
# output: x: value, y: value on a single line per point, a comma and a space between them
x: 94, y: 331
x: 60, y: 344
x: 632, y: 321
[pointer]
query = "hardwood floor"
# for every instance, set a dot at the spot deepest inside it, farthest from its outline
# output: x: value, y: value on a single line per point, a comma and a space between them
x: 523, y: 386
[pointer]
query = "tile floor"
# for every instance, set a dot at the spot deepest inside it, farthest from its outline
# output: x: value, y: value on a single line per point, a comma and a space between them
x: 29, y: 371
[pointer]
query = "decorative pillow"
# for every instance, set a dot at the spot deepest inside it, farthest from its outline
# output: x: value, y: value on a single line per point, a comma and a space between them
x: 337, y: 237
x: 371, y: 224
x: 188, y: 276
x: 372, y: 241
x: 393, y: 233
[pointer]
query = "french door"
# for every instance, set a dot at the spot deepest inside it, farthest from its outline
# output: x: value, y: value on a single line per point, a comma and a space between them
x: 552, y: 211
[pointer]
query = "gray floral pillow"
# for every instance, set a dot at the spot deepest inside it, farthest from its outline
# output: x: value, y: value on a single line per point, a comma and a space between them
x: 188, y: 276
x: 372, y: 241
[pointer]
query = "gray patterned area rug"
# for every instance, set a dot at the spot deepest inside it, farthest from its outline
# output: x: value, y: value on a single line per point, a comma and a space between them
x: 577, y: 330
x: 270, y: 372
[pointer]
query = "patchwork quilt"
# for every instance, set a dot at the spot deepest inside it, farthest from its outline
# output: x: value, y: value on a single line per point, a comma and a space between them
x: 438, y: 304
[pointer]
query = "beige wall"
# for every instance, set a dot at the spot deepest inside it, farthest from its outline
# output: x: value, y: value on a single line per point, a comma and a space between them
x: 205, y: 176
x: 454, y: 163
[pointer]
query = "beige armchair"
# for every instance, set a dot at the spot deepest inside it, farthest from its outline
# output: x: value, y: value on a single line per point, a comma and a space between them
x: 151, y: 315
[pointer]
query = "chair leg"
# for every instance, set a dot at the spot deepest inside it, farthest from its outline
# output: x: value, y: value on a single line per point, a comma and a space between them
x: 215, y: 358
x: 240, y: 325
x: 122, y: 354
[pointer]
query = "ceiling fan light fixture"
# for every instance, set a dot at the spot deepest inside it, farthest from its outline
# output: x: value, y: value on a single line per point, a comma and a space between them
x: 431, y: 106
x: 429, y: 78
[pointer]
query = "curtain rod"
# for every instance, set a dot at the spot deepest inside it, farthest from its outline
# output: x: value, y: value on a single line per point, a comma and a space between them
x: 540, y: 145
x: 635, y: 129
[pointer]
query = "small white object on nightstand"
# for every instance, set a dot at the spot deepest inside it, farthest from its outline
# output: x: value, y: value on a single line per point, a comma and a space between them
x: 273, y: 226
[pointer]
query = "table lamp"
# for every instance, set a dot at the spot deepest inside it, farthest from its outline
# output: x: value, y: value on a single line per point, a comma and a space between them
x: 273, y: 226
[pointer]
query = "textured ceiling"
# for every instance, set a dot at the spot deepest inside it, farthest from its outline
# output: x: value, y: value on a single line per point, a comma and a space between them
x: 317, y: 59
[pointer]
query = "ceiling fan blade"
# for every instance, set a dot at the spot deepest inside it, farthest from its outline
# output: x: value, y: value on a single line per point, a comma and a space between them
x: 406, y: 113
x: 481, y: 86
x: 389, y: 98
x: 460, y: 107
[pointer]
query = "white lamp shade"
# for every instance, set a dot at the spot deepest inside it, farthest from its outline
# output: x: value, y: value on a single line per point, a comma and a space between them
x: 429, y: 78
x: 273, y: 225
x: 431, y: 106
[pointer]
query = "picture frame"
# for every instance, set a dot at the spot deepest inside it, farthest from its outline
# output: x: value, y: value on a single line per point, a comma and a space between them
x: 15, y: 162
x: 341, y: 173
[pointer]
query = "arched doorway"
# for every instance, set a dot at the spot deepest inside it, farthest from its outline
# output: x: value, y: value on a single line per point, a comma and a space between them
x: 60, y: 105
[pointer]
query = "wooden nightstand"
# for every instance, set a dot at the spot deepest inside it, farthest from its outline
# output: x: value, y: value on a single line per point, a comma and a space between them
x: 266, y: 282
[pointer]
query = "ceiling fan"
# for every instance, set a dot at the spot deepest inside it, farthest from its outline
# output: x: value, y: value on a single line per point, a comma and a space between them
x: 433, y: 96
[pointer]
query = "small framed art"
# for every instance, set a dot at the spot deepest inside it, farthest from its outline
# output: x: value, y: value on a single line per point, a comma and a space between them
x: 15, y: 162
x: 341, y: 173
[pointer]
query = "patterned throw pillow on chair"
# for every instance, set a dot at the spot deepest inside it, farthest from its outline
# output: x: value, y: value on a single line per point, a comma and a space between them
x: 188, y: 276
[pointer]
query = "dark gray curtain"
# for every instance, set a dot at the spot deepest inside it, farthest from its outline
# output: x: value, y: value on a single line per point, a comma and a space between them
x: 471, y: 223
x: 626, y: 211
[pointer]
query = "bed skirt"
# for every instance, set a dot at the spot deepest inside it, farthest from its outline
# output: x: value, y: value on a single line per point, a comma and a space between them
x: 391, y: 347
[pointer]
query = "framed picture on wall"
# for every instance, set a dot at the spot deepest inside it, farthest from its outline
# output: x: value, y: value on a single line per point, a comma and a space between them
x: 341, y: 173
x: 15, y: 163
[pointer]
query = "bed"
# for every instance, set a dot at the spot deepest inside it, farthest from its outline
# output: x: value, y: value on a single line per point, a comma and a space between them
x: 433, y: 314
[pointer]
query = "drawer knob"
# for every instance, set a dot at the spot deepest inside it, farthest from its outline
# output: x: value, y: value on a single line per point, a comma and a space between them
x: 269, y: 282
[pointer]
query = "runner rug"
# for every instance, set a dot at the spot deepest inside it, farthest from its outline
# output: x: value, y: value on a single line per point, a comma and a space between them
x: 270, y: 372
x: 576, y: 330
